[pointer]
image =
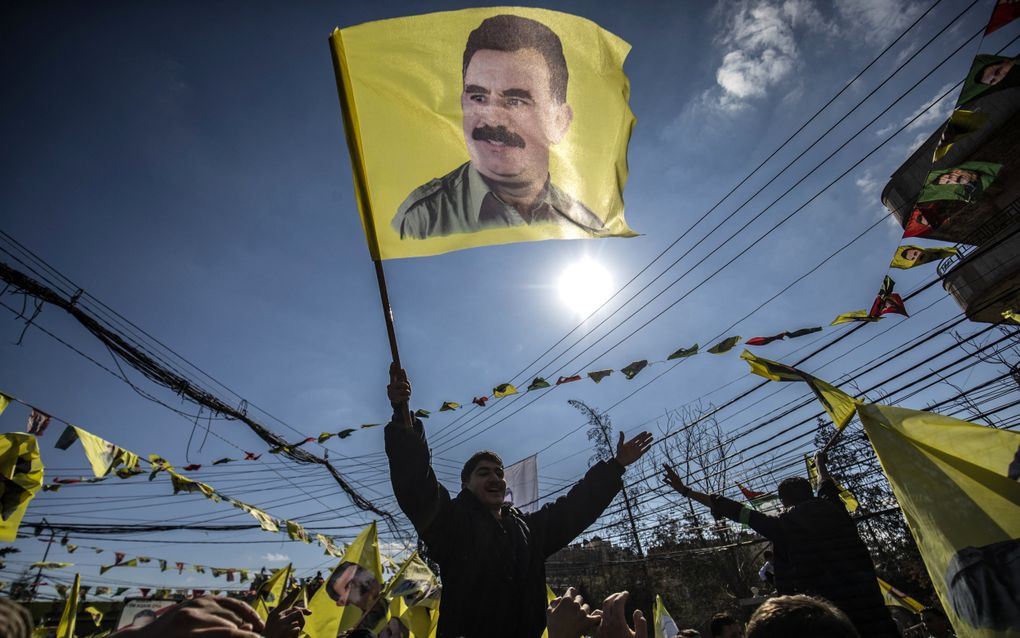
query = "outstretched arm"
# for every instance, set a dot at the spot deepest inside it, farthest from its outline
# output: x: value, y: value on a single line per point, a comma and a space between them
x: 420, y: 495
x: 559, y: 523
x: 767, y: 526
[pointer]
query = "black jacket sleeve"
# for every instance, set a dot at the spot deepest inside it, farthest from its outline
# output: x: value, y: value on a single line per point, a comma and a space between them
x: 419, y: 493
x: 767, y: 526
x: 558, y: 523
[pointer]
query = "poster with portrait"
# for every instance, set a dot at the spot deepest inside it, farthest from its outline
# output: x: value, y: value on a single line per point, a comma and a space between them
x: 484, y: 126
x: 142, y: 611
x: 988, y: 74
x: 963, y: 183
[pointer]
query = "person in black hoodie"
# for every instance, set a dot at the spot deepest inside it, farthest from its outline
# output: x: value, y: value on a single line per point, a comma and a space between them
x: 817, y: 548
x: 491, y: 556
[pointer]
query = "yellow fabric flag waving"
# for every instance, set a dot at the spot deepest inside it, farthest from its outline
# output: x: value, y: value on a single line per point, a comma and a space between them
x: 956, y: 483
x: 271, y: 591
x: 21, y: 476
x: 413, y: 595
x: 840, y: 405
x: 351, y: 590
x: 665, y: 627
x: 67, y: 619
x: 484, y: 126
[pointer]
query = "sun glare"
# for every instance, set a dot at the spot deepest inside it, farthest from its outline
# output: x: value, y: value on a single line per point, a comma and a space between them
x: 584, y: 286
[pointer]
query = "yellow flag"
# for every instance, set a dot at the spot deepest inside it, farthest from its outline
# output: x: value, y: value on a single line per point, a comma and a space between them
x: 909, y: 256
x: 956, y: 483
x: 854, y: 315
x: 845, y: 495
x: 66, y: 627
x: 413, y: 592
x: 896, y: 598
x: 4, y: 402
x: 838, y: 404
x: 503, y: 390
x: 103, y: 455
x: 22, y: 472
x: 97, y: 616
x: 665, y: 627
x: 351, y: 590
x: 484, y: 126
x: 271, y: 591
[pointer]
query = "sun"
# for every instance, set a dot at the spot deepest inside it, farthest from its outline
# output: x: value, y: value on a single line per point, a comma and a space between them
x: 584, y: 286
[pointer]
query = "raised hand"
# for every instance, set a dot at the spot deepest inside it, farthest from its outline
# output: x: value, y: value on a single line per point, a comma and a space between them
x: 614, y: 619
x: 632, y: 450
x: 399, y: 389
x: 672, y: 479
x: 570, y: 617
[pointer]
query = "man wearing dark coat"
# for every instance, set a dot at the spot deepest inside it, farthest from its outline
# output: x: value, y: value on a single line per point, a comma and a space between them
x: 817, y: 549
x: 491, y: 556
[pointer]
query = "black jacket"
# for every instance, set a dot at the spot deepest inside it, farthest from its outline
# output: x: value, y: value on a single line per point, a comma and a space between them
x: 493, y: 571
x: 818, y: 551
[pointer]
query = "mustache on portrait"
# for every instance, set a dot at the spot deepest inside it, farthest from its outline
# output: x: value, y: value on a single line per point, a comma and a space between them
x: 486, y: 133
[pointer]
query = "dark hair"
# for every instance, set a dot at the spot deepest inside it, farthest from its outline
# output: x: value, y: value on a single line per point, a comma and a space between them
x: 794, y: 490
x: 720, y: 622
x: 768, y: 554
x: 476, y: 458
x: 801, y: 616
x: 513, y: 33
x: 689, y: 633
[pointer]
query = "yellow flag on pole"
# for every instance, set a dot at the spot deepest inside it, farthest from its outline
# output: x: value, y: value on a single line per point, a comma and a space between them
x: 845, y: 495
x: 484, y: 126
x: 956, y: 483
x: 271, y: 591
x: 896, y: 598
x: 21, y: 476
x: 838, y: 404
x: 351, y: 589
x: 664, y: 625
x: 66, y: 627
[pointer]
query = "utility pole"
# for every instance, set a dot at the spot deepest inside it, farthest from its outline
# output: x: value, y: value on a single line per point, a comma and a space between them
x: 46, y: 554
x: 597, y: 420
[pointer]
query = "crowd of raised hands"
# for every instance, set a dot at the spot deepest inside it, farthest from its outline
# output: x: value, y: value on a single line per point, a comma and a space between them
x: 569, y: 616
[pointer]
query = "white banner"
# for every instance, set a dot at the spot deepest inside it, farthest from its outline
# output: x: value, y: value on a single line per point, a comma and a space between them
x: 522, y: 484
x: 141, y: 612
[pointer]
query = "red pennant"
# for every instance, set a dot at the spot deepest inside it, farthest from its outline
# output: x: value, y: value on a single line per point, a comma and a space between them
x: 1005, y: 11
x: 192, y: 467
x: 197, y: 592
x: 763, y: 341
x: 749, y: 494
x: 145, y: 591
x: 180, y: 568
x: 480, y: 401
x: 119, y: 556
x: 251, y: 456
x: 60, y: 481
x: 888, y: 304
x: 563, y: 380
x: 923, y: 220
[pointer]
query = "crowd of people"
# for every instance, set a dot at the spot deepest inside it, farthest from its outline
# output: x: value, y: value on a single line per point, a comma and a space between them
x: 819, y: 572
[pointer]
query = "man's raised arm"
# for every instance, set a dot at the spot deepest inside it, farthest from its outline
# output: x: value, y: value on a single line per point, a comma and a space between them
x: 767, y: 526
x: 418, y: 492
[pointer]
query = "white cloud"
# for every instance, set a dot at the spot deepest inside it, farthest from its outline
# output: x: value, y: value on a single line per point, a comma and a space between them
x: 876, y: 21
x: 869, y: 185
x: 275, y: 558
x: 759, y: 50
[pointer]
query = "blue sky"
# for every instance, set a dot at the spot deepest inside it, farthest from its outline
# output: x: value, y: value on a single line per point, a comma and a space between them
x: 187, y: 167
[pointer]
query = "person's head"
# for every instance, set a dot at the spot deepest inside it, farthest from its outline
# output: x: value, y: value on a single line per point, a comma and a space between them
x: 352, y: 584
x: 911, y: 254
x: 482, y: 475
x: 143, y: 618
x: 957, y: 176
x: 794, y: 491
x: 935, y: 622
x: 688, y: 633
x: 15, y: 620
x: 768, y: 554
x: 995, y: 72
x: 726, y: 626
x: 801, y: 616
x: 514, y: 99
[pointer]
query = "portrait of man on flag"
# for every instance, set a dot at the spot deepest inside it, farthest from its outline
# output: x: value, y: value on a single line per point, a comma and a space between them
x: 482, y: 126
x: 352, y: 584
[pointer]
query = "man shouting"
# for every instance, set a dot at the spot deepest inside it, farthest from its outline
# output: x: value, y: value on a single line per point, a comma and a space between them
x: 491, y: 556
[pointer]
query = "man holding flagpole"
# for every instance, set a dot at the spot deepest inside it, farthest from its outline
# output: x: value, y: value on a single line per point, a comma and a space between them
x: 491, y: 556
